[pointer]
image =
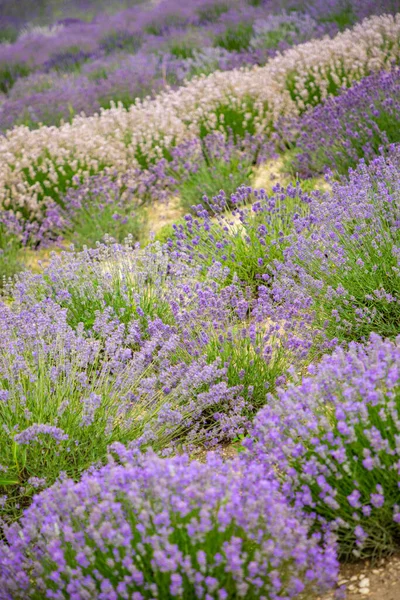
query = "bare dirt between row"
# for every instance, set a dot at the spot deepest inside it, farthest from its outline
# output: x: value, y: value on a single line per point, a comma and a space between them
x: 372, y: 581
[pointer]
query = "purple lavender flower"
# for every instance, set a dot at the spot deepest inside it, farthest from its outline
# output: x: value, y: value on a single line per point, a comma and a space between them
x: 141, y: 528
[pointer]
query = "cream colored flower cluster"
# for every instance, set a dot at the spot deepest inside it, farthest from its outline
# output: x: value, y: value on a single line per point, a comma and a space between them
x: 38, y: 165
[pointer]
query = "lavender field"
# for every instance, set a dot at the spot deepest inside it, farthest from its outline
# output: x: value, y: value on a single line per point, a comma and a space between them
x: 199, y: 298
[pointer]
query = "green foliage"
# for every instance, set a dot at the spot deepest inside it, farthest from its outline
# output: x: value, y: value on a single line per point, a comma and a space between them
x: 233, y: 120
x: 210, y: 179
x: 234, y: 240
x: 66, y: 174
x: 158, y: 26
x: 166, y: 232
x: 272, y: 39
x: 336, y: 77
x: 10, y: 255
x: 93, y: 222
x: 86, y: 446
x: 246, y: 366
x: 8, y: 35
x: 123, y: 41
x: 235, y: 37
x: 183, y: 48
x: 343, y: 18
x: 9, y: 73
x: 356, y: 294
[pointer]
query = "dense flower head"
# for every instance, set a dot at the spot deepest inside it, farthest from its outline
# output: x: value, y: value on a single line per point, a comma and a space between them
x: 168, y: 529
x: 334, y: 439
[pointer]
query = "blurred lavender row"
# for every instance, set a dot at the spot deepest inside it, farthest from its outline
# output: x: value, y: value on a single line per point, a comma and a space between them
x: 50, y: 73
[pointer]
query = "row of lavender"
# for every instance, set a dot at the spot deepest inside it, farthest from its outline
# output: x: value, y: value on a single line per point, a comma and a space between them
x: 51, y: 73
x: 181, y: 344
x: 213, y: 128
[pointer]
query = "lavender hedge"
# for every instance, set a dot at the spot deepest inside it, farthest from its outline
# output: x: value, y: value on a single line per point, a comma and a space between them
x: 152, y: 528
x: 180, y: 43
x: 341, y: 273
x: 355, y: 125
x: 334, y: 437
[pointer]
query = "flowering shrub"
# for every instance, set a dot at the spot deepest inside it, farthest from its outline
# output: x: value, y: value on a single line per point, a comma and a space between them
x: 165, y: 528
x: 131, y: 346
x: 334, y: 437
x: 342, y: 130
x: 203, y: 167
x: 240, y: 244
x: 341, y: 273
x: 102, y: 206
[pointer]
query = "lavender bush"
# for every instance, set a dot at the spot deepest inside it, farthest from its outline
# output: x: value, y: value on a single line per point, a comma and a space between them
x: 102, y: 206
x: 130, y: 346
x: 334, y: 438
x: 203, y: 167
x: 241, y: 243
x: 341, y: 272
x: 342, y: 130
x: 165, y: 528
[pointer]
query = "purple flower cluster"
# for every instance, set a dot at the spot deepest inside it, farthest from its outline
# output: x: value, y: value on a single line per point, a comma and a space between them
x: 334, y: 438
x: 340, y: 274
x: 153, y: 528
x: 123, y: 344
x: 203, y: 167
x: 338, y: 133
x: 238, y: 245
